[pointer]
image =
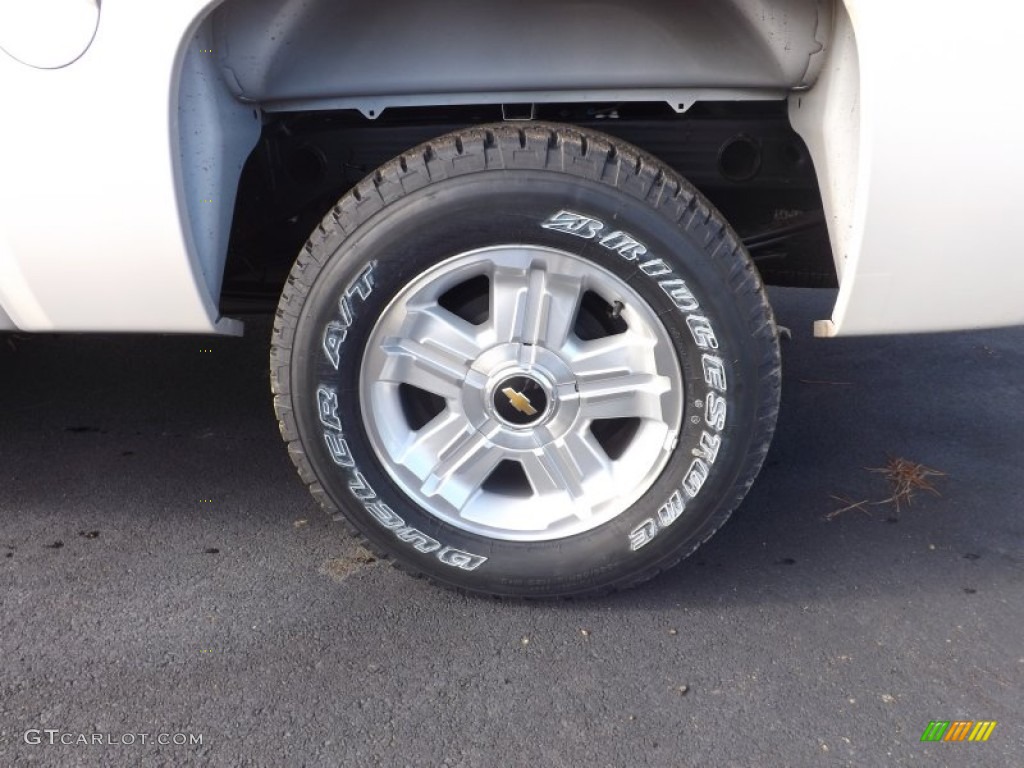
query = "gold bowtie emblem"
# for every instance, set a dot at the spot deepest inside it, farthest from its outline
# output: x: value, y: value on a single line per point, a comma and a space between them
x: 519, y: 401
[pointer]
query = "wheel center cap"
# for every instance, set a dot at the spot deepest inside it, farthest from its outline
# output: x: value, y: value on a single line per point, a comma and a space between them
x: 520, y: 400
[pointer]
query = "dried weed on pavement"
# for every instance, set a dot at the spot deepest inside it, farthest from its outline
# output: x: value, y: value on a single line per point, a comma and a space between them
x: 905, y: 478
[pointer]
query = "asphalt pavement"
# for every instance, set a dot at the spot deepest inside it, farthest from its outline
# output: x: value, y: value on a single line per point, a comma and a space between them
x: 164, y: 573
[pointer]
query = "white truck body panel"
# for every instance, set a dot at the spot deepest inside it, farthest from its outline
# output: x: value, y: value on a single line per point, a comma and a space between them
x: 919, y: 190
x: 92, y: 235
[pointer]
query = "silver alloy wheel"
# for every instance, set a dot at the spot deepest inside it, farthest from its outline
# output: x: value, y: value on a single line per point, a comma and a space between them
x: 491, y: 412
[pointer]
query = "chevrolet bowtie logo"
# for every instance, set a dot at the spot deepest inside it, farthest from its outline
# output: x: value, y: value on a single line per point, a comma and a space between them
x: 519, y: 401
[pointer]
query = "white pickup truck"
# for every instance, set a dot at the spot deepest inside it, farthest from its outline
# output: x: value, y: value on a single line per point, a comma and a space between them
x: 517, y: 250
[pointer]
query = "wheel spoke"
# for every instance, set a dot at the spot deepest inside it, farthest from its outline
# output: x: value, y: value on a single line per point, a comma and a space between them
x: 621, y: 353
x: 433, y: 325
x: 551, y: 311
x: 428, y: 368
x: 533, y: 306
x: 434, y: 354
x: 423, y: 447
x: 634, y: 395
x: 549, y: 474
x: 462, y: 468
x: 509, y: 288
x: 573, y: 468
x: 589, y: 457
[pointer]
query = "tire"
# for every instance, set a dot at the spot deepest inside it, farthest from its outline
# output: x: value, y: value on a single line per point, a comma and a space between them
x: 501, y: 270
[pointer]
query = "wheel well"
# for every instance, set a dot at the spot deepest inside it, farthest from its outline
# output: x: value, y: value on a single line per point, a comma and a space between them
x: 330, y: 54
x: 744, y: 157
x: 283, y: 105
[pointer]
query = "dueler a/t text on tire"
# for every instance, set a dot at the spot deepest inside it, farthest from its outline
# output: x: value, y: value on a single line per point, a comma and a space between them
x: 526, y: 360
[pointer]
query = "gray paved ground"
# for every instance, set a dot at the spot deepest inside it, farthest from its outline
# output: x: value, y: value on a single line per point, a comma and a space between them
x: 130, y: 605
